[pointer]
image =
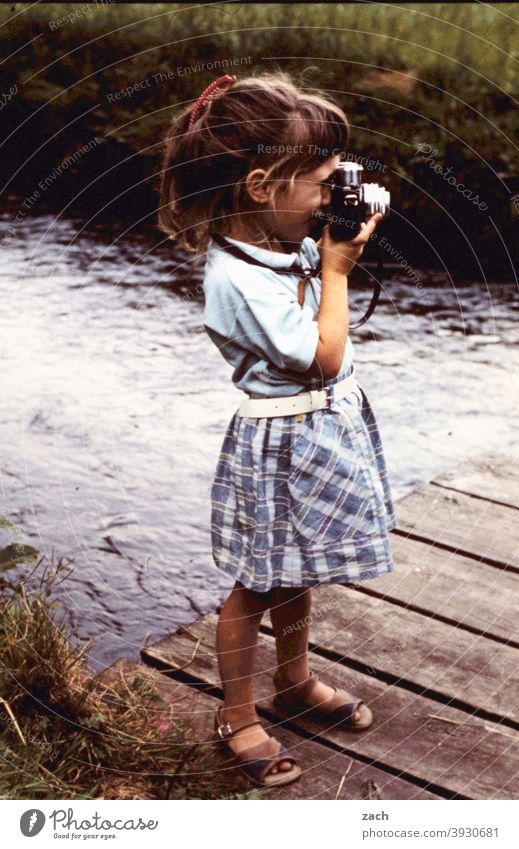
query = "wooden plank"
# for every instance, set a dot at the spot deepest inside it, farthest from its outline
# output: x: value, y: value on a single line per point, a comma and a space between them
x: 471, y: 525
x: 456, y: 587
x: 424, y: 651
x: 323, y: 769
x: 455, y: 751
x: 492, y: 475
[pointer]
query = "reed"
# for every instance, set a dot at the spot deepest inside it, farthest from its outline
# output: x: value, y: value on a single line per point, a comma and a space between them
x: 67, y: 735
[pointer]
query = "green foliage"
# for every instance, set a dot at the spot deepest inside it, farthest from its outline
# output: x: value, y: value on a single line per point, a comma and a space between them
x: 441, y: 74
x: 456, y: 52
x: 67, y: 735
x: 12, y: 554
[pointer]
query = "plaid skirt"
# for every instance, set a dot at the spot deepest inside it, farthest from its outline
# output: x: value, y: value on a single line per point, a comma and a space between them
x: 303, y: 500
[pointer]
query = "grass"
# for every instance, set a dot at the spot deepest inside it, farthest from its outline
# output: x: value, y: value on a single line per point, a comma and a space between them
x: 440, y: 74
x: 67, y: 735
x: 431, y: 36
x: 423, y: 56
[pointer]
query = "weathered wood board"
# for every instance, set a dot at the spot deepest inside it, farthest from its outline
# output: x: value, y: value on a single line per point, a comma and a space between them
x: 446, y: 584
x: 492, y: 475
x: 416, y: 648
x: 323, y: 768
x: 454, y: 751
x: 475, y: 526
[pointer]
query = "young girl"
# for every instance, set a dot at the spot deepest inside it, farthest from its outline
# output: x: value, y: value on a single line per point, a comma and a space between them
x: 300, y: 496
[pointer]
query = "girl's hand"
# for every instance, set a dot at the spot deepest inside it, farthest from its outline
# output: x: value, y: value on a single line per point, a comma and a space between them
x: 341, y: 257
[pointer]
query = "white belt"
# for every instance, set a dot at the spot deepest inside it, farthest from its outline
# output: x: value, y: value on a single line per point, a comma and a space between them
x: 303, y: 402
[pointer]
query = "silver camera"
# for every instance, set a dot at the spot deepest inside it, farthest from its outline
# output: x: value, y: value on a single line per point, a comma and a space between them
x: 352, y: 202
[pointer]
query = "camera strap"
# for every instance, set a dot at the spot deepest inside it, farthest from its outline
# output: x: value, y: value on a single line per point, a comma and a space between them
x: 306, y: 273
x: 296, y: 268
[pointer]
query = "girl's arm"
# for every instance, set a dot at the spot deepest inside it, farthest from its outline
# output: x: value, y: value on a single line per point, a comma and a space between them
x: 338, y: 260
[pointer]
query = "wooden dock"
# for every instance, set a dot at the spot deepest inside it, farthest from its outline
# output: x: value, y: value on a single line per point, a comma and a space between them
x: 432, y: 647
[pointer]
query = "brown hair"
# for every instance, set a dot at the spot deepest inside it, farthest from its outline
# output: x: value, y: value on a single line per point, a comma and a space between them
x: 202, y: 184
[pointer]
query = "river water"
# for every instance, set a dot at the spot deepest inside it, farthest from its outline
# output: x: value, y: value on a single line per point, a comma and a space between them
x: 115, y: 402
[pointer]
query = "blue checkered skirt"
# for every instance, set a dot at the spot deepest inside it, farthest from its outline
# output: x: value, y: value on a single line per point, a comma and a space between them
x: 302, y: 501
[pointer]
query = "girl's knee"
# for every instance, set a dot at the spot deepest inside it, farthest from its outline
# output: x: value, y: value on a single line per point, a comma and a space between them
x: 255, y: 598
x: 288, y: 594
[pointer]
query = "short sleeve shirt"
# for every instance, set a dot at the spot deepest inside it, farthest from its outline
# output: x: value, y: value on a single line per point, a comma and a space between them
x: 253, y: 316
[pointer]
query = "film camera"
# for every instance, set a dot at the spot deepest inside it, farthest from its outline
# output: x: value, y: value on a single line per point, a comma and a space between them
x: 352, y: 202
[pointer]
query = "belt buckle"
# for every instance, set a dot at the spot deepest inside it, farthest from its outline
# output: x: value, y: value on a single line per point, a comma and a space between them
x: 315, y: 403
x: 329, y: 396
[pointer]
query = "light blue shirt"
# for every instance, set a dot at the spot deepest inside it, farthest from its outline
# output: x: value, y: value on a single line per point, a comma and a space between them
x: 253, y: 316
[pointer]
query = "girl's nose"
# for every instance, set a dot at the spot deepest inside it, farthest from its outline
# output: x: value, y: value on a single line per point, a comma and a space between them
x: 326, y: 195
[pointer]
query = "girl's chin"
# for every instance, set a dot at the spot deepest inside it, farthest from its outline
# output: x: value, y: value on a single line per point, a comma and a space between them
x: 308, y: 228
x: 316, y: 227
x: 311, y: 227
x: 295, y: 237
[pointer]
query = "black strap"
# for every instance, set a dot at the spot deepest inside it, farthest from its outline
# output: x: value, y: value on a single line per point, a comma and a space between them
x: 297, y: 268
x: 377, y: 288
x: 234, y: 250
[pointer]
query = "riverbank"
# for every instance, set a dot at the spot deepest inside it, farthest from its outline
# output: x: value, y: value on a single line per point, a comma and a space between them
x: 430, y: 90
x: 431, y: 647
x: 67, y: 735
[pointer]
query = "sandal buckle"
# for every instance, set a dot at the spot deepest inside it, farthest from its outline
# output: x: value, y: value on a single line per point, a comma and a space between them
x: 224, y: 730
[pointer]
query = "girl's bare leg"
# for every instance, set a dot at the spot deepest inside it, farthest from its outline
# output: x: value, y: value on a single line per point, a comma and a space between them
x: 236, y: 639
x: 290, y: 615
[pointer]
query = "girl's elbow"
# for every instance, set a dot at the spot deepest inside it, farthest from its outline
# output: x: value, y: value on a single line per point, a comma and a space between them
x: 330, y: 360
x: 333, y: 370
x: 325, y: 367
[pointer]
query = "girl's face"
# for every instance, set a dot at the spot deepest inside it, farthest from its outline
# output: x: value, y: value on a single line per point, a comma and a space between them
x: 291, y: 219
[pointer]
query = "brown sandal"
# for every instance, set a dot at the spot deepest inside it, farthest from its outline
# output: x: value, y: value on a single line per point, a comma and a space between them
x: 257, y: 761
x: 290, y: 700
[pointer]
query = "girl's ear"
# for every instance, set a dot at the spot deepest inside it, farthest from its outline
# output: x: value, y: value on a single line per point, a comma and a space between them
x: 256, y: 188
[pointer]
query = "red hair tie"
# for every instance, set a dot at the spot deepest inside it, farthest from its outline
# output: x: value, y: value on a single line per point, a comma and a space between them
x: 218, y: 87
